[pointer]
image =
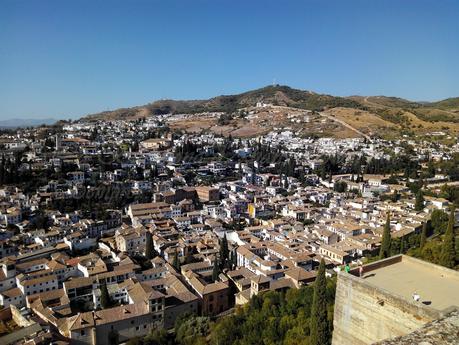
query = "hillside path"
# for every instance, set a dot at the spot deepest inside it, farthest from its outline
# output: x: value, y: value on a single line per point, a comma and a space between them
x: 345, y: 124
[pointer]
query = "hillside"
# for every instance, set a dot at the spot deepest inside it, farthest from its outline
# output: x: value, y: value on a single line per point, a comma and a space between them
x: 447, y: 104
x: 384, y: 101
x: 276, y: 95
x: 372, y: 115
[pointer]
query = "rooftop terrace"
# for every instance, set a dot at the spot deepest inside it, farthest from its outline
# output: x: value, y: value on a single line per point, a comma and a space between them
x: 437, y: 286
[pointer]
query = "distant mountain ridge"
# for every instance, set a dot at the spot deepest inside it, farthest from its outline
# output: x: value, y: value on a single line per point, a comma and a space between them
x: 449, y: 103
x: 389, y: 108
x: 17, y: 123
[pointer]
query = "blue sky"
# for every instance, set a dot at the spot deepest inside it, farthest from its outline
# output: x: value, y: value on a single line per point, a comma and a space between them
x: 65, y: 59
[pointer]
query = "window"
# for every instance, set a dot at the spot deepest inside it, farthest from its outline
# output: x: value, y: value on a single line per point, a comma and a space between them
x: 82, y: 332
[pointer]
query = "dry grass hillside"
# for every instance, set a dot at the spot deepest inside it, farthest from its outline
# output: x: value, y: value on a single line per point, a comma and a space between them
x: 259, y: 121
x: 373, y: 115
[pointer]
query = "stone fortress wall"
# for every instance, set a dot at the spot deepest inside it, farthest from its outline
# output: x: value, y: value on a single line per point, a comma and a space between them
x: 365, y: 313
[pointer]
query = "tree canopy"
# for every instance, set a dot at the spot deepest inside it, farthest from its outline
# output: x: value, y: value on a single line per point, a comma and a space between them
x: 384, y: 251
x: 320, y: 328
x: 448, y: 252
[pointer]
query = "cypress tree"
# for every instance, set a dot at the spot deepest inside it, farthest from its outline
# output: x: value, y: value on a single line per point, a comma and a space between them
x: 419, y: 203
x: 224, y: 252
x: 149, y: 251
x: 104, y: 296
x: 232, y: 260
x: 320, y: 330
x: 216, y: 269
x: 394, y: 196
x: 384, y: 251
x: 176, y: 262
x: 423, y: 236
x: 402, y: 245
x: 2, y: 171
x: 448, y: 250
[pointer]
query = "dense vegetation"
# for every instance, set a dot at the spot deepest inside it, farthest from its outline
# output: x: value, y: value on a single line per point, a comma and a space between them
x: 437, y: 242
x: 265, y: 155
x: 339, y: 164
x: 269, y: 318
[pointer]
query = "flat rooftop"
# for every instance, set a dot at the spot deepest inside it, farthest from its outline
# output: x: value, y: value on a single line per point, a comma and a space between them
x: 437, y: 286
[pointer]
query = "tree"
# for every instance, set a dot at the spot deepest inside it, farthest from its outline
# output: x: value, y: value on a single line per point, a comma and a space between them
x: 395, y: 196
x: 269, y: 318
x: 135, y: 341
x: 135, y: 146
x: 423, y: 236
x: 225, y: 332
x: 224, y: 252
x: 320, y: 330
x: 176, y: 262
x: 448, y: 250
x: 216, y: 269
x: 419, y: 203
x: 104, y: 296
x: 233, y: 262
x: 156, y: 337
x: 402, y: 245
x: 384, y: 251
x: 191, y: 329
x: 340, y: 186
x: 2, y: 170
x: 149, y: 250
x: 431, y: 171
x: 439, y: 221
x: 445, y: 191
